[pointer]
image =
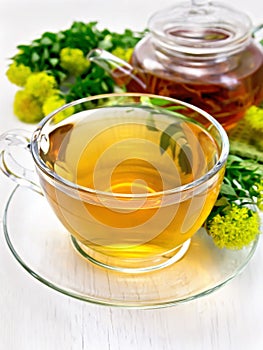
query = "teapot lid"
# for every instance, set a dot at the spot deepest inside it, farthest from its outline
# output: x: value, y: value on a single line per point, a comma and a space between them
x: 200, y: 27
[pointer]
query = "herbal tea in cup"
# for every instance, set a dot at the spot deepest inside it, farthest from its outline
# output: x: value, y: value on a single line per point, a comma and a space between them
x: 131, y: 176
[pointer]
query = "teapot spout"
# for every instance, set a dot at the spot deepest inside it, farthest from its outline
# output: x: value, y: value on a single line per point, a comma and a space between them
x: 121, y: 71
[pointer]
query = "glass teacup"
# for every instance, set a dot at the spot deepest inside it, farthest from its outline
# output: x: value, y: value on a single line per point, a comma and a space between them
x: 131, y: 176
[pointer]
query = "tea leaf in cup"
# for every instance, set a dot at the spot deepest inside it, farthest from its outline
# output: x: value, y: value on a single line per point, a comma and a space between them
x: 185, y: 158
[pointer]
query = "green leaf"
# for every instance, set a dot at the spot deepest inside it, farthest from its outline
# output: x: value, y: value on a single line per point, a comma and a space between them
x: 35, y: 57
x: 45, y: 54
x: 46, y: 41
x: 54, y: 61
x: 176, y: 108
x: 173, y: 145
x: 24, y: 48
x: 48, y: 38
x: 185, y: 158
x: 157, y: 101
x: 166, y: 135
x: 222, y: 201
x: 164, y: 142
x: 233, y: 158
x: 151, y: 123
x: 106, y: 43
x: 228, y: 190
x: 55, y: 48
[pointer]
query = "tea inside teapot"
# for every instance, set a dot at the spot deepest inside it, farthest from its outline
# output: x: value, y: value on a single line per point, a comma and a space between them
x: 200, y: 52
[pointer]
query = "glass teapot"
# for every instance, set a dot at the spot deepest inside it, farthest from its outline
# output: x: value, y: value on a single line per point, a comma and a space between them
x: 201, y: 52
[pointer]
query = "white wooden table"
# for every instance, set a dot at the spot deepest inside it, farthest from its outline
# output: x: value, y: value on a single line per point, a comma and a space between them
x: 33, y: 316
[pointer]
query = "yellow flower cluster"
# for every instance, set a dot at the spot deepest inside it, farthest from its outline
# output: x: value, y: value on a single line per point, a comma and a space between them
x: 41, y: 94
x: 254, y: 117
x: 253, y: 124
x: 73, y: 61
x: 40, y: 91
x: 41, y: 86
x: 18, y: 74
x: 259, y: 187
x: 124, y: 54
x: 234, y: 228
x: 27, y: 108
x: 55, y: 102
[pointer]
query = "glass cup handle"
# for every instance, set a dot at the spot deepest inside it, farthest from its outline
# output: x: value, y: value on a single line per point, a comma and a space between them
x: 11, y: 143
x: 257, y: 33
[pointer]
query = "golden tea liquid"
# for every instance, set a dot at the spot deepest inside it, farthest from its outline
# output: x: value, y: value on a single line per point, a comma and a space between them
x: 131, y: 161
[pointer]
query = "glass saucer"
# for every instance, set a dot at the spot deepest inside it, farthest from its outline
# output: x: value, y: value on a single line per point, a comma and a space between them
x: 43, y: 247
